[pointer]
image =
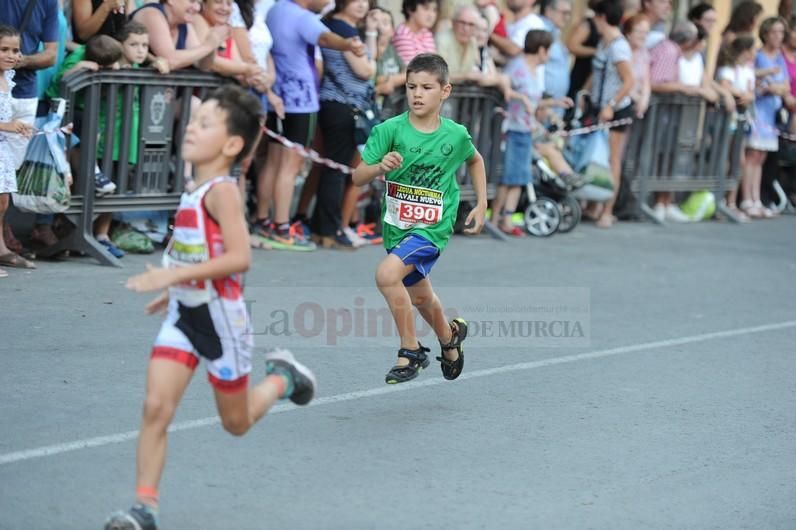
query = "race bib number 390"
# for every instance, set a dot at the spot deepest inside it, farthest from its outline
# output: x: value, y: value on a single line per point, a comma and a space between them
x: 408, y: 206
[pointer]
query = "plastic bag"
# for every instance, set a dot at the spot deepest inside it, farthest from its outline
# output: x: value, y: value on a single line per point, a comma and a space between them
x: 588, y: 154
x: 41, y: 187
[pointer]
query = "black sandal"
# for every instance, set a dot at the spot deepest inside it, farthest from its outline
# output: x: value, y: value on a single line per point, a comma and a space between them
x: 452, y: 369
x: 417, y: 361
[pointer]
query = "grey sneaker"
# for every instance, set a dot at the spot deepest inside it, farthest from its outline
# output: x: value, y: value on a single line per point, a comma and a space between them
x: 302, y: 387
x: 139, y: 517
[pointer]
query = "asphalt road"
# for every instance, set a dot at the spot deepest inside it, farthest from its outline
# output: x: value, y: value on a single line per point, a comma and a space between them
x: 639, y: 377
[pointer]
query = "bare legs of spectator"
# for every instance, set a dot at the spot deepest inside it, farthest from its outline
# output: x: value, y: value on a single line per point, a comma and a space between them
x: 616, y: 144
x: 8, y: 258
x: 349, y: 211
x: 750, y: 184
x: 276, y: 182
x: 504, y: 205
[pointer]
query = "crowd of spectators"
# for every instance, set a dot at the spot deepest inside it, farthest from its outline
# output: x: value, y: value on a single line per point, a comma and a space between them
x: 316, y: 64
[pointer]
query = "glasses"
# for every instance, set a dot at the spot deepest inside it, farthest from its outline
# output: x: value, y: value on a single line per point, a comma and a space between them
x: 468, y: 25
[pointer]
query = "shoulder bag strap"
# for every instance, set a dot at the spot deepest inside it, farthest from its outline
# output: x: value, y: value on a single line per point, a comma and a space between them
x: 26, y: 16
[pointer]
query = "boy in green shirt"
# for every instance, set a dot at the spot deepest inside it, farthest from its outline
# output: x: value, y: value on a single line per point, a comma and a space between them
x: 419, y: 152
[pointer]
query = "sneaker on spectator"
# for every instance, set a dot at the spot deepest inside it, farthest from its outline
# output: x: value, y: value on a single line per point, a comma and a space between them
x: 675, y: 215
x: 337, y: 242
x: 112, y: 249
x: 293, y: 239
x: 301, y: 228
x: 356, y: 240
x: 260, y: 235
x: 368, y: 232
x: 102, y: 184
x: 659, y: 212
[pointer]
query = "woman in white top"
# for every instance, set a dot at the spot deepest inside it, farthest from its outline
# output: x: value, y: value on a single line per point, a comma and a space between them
x: 736, y: 73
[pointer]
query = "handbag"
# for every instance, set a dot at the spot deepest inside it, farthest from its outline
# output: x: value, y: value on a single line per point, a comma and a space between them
x: 364, y: 119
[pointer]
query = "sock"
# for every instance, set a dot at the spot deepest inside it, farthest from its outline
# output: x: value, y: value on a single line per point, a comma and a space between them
x: 283, y: 228
x: 283, y: 382
x: 148, y: 497
x: 300, y: 217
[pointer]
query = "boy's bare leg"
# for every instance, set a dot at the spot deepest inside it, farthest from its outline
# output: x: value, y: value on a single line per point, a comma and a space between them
x: 239, y: 411
x: 428, y: 304
x: 389, y: 280
x: 166, y: 383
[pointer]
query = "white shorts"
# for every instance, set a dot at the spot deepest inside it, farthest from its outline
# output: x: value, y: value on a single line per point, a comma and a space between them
x: 22, y: 110
x: 219, y: 331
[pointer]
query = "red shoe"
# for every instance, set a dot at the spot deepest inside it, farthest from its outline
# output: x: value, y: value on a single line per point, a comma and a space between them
x: 367, y: 231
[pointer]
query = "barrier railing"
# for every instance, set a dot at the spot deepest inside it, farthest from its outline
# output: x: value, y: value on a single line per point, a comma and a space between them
x: 683, y: 144
x: 156, y: 181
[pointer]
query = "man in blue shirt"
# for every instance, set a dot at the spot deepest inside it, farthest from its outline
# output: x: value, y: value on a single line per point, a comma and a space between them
x: 556, y: 15
x: 41, y: 28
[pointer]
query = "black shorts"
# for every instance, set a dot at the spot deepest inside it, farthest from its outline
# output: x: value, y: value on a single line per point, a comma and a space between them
x: 298, y: 128
x: 625, y: 112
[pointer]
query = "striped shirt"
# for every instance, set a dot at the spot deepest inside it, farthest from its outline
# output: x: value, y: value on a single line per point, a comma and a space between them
x: 339, y: 82
x: 409, y: 44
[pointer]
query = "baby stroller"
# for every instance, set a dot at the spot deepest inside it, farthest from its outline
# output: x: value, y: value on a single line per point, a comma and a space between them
x: 551, y: 207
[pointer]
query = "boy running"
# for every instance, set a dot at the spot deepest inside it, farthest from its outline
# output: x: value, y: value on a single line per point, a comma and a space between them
x: 206, y: 315
x: 420, y: 152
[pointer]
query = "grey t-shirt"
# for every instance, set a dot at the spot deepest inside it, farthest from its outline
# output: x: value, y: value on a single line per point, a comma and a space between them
x: 606, y: 81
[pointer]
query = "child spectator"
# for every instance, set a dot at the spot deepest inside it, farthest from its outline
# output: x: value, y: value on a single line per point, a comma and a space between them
x: 414, y: 36
x: 389, y: 65
x: 9, y: 57
x: 736, y: 73
x: 527, y: 79
x: 773, y: 84
x: 100, y: 51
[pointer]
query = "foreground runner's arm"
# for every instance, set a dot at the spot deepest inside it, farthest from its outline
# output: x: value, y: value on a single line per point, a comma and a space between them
x: 478, y: 173
x: 224, y: 203
x: 364, y: 173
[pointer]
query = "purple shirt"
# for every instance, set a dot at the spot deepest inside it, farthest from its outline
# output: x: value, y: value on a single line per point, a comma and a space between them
x: 296, y: 32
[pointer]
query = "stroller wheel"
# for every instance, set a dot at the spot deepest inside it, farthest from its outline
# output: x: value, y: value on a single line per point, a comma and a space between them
x: 542, y: 217
x: 570, y: 214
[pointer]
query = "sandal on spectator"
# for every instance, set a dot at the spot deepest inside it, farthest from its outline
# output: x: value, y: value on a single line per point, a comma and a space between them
x: 750, y: 209
x: 605, y: 221
x: 12, y: 242
x: 15, y: 260
x: 514, y: 231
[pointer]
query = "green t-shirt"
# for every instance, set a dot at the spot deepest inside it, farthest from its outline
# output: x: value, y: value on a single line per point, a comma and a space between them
x: 54, y: 91
x: 422, y: 196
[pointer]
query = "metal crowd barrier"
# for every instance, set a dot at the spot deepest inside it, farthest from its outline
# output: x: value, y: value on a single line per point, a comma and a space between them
x: 476, y: 108
x: 156, y: 181
x: 683, y: 144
